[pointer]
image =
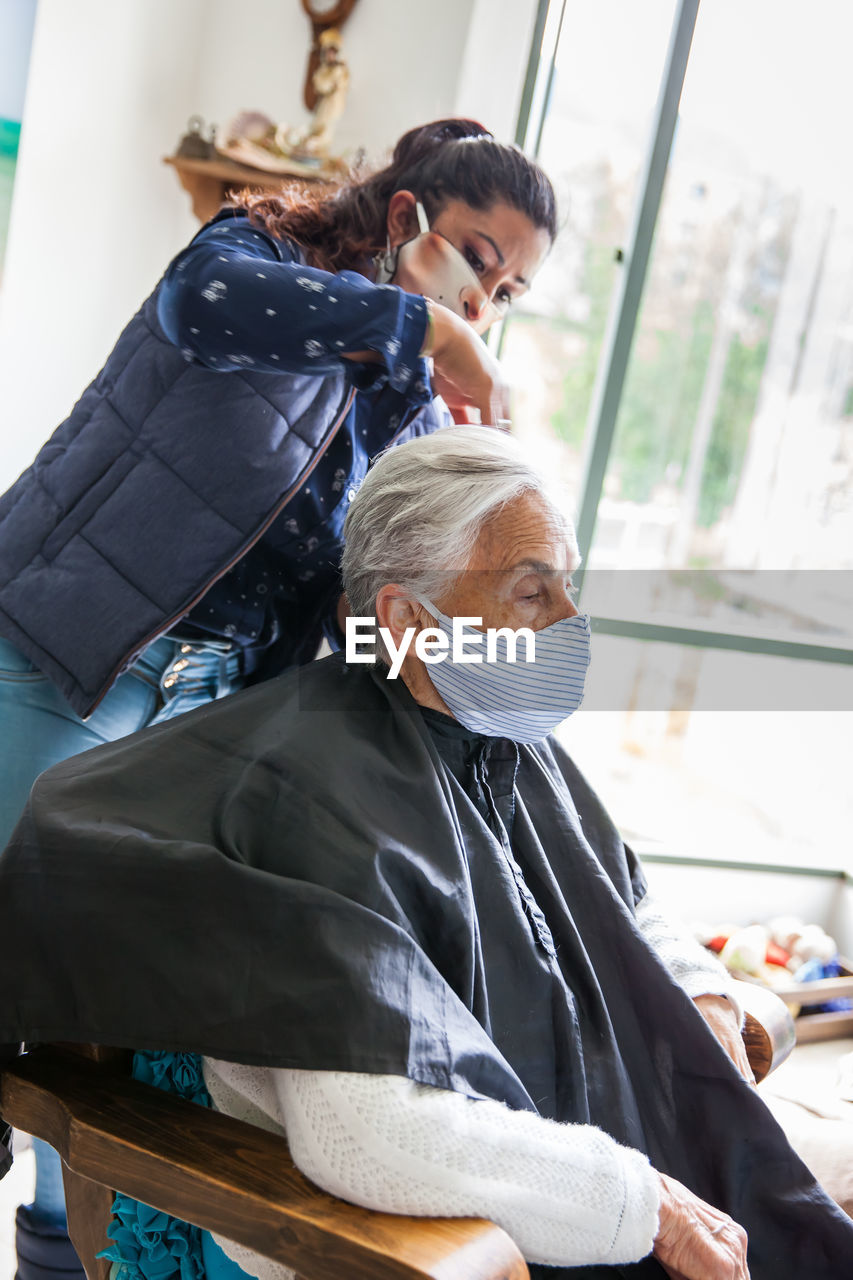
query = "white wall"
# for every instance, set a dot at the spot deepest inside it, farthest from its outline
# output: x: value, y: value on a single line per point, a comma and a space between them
x: 404, y: 59
x: 97, y: 215
x: 494, y: 64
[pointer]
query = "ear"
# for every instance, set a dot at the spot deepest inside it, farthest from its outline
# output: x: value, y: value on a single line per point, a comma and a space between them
x: 397, y: 611
x: 401, y: 220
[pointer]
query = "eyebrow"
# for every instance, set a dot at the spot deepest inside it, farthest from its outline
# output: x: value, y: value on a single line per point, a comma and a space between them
x: 494, y: 245
x: 538, y: 566
x: 522, y: 280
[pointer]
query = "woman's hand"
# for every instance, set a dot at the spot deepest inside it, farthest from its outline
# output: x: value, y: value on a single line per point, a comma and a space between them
x: 466, y: 374
x: 695, y: 1241
x: 720, y: 1015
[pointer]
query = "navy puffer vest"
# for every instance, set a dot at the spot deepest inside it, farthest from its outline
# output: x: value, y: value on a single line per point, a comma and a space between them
x: 140, y: 500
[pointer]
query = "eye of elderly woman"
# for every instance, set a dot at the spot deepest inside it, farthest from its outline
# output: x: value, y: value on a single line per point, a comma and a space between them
x: 520, y: 569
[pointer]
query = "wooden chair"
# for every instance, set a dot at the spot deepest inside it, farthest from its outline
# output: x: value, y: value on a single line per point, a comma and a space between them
x: 235, y: 1179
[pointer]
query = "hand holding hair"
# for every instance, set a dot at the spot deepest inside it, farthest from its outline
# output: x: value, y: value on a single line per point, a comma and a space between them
x: 467, y: 376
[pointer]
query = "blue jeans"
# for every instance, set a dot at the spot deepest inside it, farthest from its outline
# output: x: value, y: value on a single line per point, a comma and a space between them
x: 38, y: 729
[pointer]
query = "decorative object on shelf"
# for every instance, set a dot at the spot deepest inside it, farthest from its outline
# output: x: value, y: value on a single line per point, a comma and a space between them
x: 253, y: 138
x: 194, y: 145
x: 209, y: 177
x: 331, y: 82
x: 255, y: 151
x: 325, y: 15
x: 799, y: 961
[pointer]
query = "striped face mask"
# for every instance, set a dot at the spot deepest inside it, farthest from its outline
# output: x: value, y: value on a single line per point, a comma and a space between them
x: 505, y: 696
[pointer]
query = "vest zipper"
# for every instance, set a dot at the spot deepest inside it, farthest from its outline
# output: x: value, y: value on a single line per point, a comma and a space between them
x: 131, y: 657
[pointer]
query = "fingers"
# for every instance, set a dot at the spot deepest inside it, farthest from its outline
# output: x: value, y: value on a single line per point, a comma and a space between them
x: 489, y: 405
x: 466, y: 414
x: 466, y: 374
x: 497, y: 404
x: 499, y: 411
x: 695, y: 1241
x: 741, y: 1061
x: 734, y: 1046
x: 720, y: 1015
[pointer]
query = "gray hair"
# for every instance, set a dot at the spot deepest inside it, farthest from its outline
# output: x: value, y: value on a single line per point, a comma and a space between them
x: 421, y: 508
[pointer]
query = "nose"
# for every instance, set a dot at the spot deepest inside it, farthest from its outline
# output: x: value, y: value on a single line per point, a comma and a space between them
x: 478, y: 308
x: 474, y: 303
x: 565, y: 607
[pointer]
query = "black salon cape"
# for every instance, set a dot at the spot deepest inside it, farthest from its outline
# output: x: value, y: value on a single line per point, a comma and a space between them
x: 291, y: 877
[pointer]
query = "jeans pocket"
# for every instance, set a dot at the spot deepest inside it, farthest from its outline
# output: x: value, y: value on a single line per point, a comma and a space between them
x: 15, y: 668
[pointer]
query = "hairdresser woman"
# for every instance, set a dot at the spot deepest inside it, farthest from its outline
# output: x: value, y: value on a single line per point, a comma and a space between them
x: 180, y: 533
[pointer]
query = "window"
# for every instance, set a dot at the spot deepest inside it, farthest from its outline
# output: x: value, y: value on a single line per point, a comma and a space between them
x: 716, y: 504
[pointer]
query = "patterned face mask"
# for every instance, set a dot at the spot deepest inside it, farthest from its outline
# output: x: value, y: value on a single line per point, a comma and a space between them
x: 510, y: 697
x: 446, y: 276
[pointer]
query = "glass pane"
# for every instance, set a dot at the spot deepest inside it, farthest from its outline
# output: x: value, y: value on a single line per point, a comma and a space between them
x: 607, y: 75
x: 720, y: 755
x: 734, y: 442
x: 792, y: 606
x: 728, y: 499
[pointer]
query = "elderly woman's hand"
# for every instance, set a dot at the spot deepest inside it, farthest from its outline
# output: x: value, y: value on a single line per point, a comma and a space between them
x: 695, y: 1241
x: 467, y: 376
x: 720, y: 1015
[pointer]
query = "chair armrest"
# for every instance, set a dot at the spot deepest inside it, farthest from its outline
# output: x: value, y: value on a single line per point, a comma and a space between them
x: 233, y: 1178
x: 768, y: 1032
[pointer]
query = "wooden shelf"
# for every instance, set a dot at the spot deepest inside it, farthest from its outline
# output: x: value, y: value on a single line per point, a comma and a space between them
x: 208, y: 181
x: 824, y: 1026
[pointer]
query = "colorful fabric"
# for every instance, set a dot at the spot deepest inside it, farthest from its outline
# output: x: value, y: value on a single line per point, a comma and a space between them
x: 149, y: 1244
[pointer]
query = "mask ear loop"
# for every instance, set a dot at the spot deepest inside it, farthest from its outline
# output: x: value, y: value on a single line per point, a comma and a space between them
x: 431, y: 609
x: 385, y: 263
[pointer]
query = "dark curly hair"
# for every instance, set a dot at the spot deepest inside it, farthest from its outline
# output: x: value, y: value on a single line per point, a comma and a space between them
x: 454, y: 159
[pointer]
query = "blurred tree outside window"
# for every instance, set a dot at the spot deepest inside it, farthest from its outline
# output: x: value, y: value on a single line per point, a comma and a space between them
x: 727, y: 504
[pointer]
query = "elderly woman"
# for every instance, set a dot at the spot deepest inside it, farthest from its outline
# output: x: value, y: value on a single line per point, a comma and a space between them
x: 401, y: 927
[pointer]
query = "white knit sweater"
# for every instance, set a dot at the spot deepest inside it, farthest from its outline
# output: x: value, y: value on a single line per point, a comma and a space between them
x: 568, y: 1194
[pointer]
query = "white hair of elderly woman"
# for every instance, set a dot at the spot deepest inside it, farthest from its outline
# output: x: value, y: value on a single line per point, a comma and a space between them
x: 418, y: 514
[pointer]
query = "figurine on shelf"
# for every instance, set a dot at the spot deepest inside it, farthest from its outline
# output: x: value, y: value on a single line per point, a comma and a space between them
x: 252, y: 138
x: 331, y: 82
